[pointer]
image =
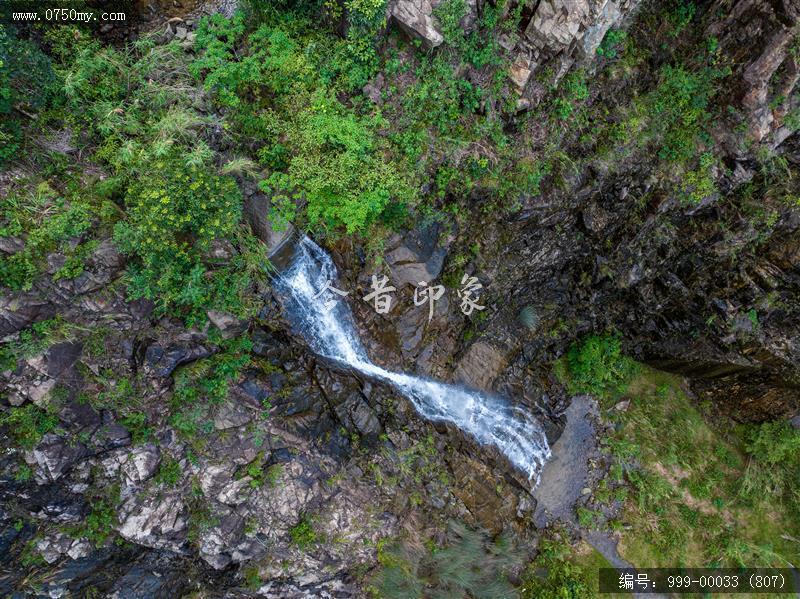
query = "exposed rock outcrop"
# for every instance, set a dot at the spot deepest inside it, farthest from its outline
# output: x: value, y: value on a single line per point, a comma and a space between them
x: 416, y: 18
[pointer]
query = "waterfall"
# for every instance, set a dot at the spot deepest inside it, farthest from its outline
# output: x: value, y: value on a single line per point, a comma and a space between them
x: 331, y: 334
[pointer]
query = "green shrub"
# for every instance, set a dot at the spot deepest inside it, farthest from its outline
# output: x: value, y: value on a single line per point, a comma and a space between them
x: 336, y: 168
x: 172, y: 218
x: 205, y: 384
x: 98, y: 81
x: 322, y: 155
x: 136, y: 425
x: 48, y: 224
x: 303, y: 534
x: 679, y: 15
x: 28, y: 424
x: 27, y: 81
x: 439, y: 98
x: 252, y: 578
x: 678, y: 109
x: 792, y: 120
x: 573, y: 91
x: 609, y: 47
x: 39, y: 336
x: 101, y: 522
x: 8, y: 358
x: 359, y: 61
x: 588, y: 518
x: 449, y: 14
x: 699, y: 183
x: 169, y: 472
x: 774, y: 443
x: 597, y: 366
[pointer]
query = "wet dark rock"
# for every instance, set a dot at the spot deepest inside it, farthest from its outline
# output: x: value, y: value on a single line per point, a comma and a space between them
x: 54, y: 456
x: 51, y: 548
x: 230, y: 415
x: 111, y: 434
x: 225, y: 543
x: 480, y: 365
x: 105, y: 265
x: 335, y: 588
x: 157, y: 574
x: 357, y: 415
x: 411, y: 329
x: 20, y: 311
x: 566, y: 474
x: 257, y: 391
x: 279, y: 456
x: 11, y: 245
x: 160, y: 360
x: 372, y: 90
x: 79, y: 414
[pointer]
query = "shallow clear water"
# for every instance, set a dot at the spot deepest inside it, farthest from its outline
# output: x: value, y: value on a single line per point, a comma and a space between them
x: 331, y: 334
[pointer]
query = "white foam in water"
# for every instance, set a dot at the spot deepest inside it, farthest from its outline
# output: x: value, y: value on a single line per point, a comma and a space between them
x: 331, y: 334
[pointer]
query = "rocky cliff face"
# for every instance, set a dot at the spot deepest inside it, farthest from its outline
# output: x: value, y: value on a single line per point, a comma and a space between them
x: 678, y: 280
x: 708, y: 290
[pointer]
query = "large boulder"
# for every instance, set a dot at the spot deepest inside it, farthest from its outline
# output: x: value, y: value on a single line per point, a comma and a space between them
x: 54, y: 456
x: 156, y: 521
x: 161, y: 358
x: 140, y: 464
x: 415, y: 17
x: 416, y: 257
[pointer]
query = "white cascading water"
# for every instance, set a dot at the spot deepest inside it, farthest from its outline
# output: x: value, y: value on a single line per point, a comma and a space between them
x: 332, y: 335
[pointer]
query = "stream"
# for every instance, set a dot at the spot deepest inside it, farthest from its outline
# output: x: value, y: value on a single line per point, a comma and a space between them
x: 326, y: 323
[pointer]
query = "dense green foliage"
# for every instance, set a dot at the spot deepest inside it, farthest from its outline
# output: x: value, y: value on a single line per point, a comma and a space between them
x: 774, y: 443
x: 597, y: 365
x: 169, y: 472
x: 27, y: 84
x: 320, y: 155
x: 708, y: 493
x: 51, y: 222
x: 775, y: 464
x: 467, y: 565
x: 303, y: 534
x: 175, y: 204
x: 27, y: 424
x: 678, y: 109
x: 173, y: 218
x: 336, y: 169
x: 102, y: 520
